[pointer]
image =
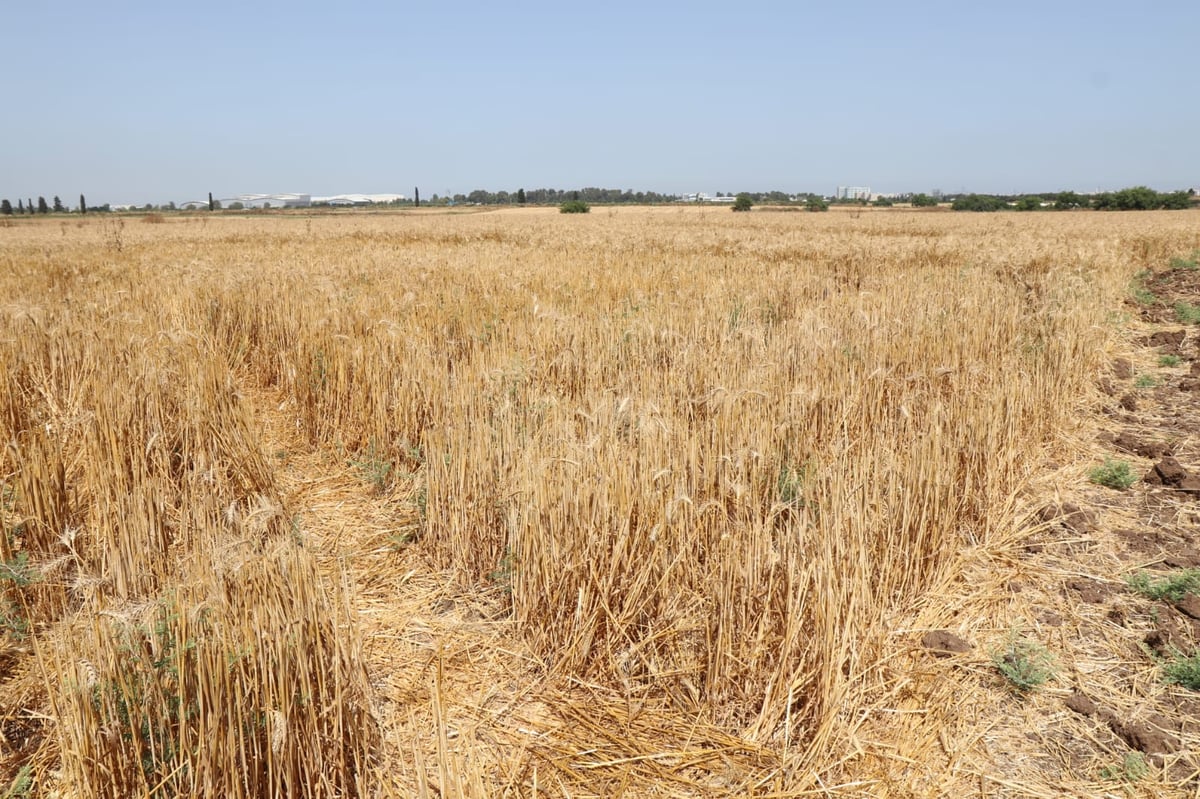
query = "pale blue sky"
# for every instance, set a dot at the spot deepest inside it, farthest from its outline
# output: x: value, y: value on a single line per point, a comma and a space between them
x: 156, y: 101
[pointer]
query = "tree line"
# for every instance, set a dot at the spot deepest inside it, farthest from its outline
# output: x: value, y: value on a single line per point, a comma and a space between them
x: 43, y: 207
x: 590, y: 194
x: 1136, y: 198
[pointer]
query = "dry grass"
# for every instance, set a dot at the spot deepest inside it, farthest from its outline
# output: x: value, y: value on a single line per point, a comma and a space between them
x: 511, y: 503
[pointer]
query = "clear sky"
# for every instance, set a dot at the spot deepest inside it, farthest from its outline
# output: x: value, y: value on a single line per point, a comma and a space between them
x: 156, y: 101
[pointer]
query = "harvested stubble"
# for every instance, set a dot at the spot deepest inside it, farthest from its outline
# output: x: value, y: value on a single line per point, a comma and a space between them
x: 705, y: 457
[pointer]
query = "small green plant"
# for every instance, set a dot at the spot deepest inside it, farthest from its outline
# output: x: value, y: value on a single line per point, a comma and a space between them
x: 1145, y: 381
x: 1113, y: 474
x: 502, y: 576
x: 19, y: 571
x: 22, y: 784
x: 1168, y: 360
x: 1131, y: 769
x: 1187, y: 313
x: 574, y: 207
x: 1173, y: 587
x: 1191, y: 264
x: 400, y: 540
x: 374, y: 468
x: 13, y: 623
x: 1143, y: 295
x: 1183, y: 670
x: 743, y: 202
x: 791, y: 483
x: 1026, y: 664
x: 735, y: 315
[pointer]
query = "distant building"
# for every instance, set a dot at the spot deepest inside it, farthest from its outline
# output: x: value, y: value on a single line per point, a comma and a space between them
x: 358, y: 199
x: 854, y: 192
x: 268, y: 201
x: 701, y: 197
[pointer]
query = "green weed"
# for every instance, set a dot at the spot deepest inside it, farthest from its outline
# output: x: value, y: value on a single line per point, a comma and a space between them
x: 1183, y: 670
x: 1026, y: 664
x: 374, y: 468
x: 22, y: 784
x: 1187, y: 313
x: 1143, y: 295
x: 19, y: 571
x: 502, y: 576
x: 1113, y: 474
x: 1131, y: 769
x: 1172, y: 588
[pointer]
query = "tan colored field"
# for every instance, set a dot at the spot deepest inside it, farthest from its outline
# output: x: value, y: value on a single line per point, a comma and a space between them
x: 651, y: 502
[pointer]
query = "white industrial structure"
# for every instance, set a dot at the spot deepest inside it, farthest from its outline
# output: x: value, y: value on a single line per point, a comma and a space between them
x: 701, y: 197
x: 268, y: 201
x: 854, y: 192
x: 358, y: 199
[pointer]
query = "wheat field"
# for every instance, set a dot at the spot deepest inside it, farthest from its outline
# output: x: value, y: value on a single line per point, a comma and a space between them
x: 643, y: 502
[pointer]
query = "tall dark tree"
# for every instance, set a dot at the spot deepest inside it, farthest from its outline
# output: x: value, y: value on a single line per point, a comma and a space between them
x: 6, y: 207
x: 20, y: 206
x: 416, y: 197
x: 43, y: 207
x: 29, y: 206
x: 58, y: 206
x: 82, y: 205
x: 210, y: 202
x: 521, y: 196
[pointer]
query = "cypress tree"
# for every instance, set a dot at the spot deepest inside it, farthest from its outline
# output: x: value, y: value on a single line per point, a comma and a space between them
x: 210, y: 202
x: 82, y: 205
x: 417, y: 196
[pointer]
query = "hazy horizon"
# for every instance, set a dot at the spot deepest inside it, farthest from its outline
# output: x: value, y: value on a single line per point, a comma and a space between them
x: 153, y: 103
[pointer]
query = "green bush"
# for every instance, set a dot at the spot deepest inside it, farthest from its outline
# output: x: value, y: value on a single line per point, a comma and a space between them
x: 1113, y: 474
x: 574, y: 207
x: 978, y: 203
x: 816, y: 204
x: 743, y: 202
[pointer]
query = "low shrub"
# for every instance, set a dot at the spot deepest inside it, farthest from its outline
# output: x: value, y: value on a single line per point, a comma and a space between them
x: 574, y: 207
